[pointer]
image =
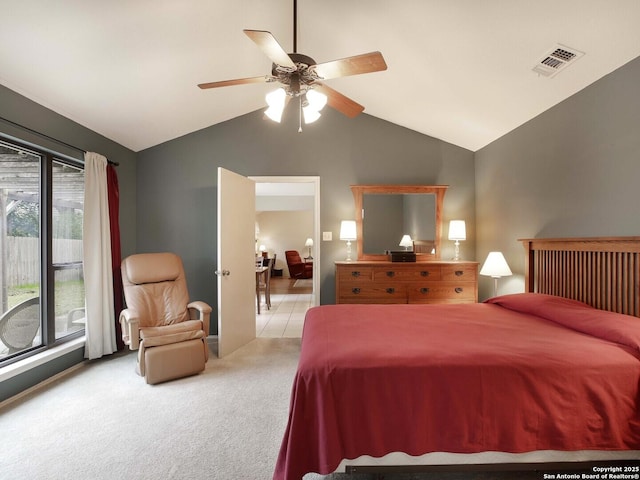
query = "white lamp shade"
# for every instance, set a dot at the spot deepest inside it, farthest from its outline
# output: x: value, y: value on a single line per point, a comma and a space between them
x: 310, y: 115
x: 308, y: 243
x: 275, y: 100
x: 406, y: 241
x: 274, y: 113
x: 348, y: 230
x: 495, y: 266
x: 316, y: 100
x: 457, y: 230
x: 262, y: 248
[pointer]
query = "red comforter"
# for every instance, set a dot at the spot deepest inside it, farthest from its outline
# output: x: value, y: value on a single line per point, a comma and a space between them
x: 524, y: 372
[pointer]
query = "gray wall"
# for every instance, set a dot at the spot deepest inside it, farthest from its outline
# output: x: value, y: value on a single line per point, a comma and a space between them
x: 19, y: 109
x: 177, y: 181
x: 572, y: 171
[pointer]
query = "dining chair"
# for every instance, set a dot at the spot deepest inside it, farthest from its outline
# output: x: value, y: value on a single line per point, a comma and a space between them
x: 263, y: 284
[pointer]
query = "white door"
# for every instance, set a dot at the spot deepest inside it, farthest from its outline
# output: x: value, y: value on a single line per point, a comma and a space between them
x: 236, y: 261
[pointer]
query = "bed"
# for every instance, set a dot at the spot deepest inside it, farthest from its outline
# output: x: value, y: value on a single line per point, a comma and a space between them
x: 552, y: 373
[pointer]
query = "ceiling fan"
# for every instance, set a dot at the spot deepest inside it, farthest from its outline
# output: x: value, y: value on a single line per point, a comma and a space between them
x: 301, y: 77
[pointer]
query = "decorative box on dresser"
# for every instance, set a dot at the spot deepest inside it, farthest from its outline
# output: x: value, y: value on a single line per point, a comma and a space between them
x: 410, y: 282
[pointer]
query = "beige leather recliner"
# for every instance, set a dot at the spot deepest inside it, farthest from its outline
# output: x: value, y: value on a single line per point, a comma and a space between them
x: 169, y: 332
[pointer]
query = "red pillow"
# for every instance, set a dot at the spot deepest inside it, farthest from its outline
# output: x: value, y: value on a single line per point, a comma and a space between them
x: 611, y: 326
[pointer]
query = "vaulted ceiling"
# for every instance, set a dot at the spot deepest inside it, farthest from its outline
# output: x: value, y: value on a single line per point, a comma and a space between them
x: 458, y: 70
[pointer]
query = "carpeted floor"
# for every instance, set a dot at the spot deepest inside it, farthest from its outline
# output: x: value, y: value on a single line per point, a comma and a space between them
x: 104, y: 422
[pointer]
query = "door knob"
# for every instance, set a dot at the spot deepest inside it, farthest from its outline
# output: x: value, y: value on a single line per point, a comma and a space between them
x: 224, y: 273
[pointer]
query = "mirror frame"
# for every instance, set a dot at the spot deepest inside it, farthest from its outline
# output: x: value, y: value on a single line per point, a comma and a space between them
x: 358, y: 193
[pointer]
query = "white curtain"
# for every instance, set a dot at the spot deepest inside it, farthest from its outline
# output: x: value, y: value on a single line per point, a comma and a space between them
x: 98, y: 277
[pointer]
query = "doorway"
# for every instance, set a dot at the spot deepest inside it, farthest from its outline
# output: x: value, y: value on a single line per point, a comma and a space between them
x: 289, y: 208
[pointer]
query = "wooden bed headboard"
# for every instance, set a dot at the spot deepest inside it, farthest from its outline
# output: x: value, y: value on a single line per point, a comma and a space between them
x: 603, y: 272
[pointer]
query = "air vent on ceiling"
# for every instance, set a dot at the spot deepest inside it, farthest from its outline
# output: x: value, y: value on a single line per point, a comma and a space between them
x: 557, y: 59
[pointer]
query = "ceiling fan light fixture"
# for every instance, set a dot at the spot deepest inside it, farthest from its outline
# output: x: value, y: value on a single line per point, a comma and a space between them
x: 310, y: 115
x: 312, y: 103
x: 316, y: 100
x: 274, y: 114
x: 275, y: 100
x: 300, y: 74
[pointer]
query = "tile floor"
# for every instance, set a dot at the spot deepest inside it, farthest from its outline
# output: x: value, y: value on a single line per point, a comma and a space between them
x: 286, y: 317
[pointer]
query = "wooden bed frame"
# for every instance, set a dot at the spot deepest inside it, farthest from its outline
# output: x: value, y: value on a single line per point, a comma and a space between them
x: 603, y: 272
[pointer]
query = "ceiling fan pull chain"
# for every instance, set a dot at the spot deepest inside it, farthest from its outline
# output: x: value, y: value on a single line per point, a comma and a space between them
x: 300, y: 115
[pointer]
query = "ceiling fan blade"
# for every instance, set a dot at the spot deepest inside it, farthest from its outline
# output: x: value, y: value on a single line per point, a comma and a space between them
x: 237, y: 81
x: 271, y: 48
x: 365, y: 63
x: 336, y: 100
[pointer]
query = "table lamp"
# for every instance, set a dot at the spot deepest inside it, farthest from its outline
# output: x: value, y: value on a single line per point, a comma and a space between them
x: 309, y: 244
x: 457, y: 232
x: 406, y: 242
x: 348, y: 233
x: 495, y: 266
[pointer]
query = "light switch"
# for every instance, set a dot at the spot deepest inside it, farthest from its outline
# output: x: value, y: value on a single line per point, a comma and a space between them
x: 327, y: 236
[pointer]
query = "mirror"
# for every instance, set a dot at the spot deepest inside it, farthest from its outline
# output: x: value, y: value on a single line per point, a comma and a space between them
x: 384, y: 213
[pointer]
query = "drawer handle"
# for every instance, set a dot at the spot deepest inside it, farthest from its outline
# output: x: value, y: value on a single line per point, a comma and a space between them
x: 391, y: 274
x: 459, y: 273
x: 391, y: 290
x: 424, y: 290
x: 424, y: 273
x: 458, y: 289
x: 355, y: 274
x: 355, y: 290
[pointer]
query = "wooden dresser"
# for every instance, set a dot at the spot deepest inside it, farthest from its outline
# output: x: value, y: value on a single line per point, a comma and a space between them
x: 398, y: 282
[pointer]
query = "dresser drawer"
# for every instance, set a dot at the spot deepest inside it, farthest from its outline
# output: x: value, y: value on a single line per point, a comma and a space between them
x: 442, y: 292
x: 355, y: 273
x: 415, y: 272
x: 459, y: 272
x: 391, y: 273
x: 372, y: 294
x: 426, y: 273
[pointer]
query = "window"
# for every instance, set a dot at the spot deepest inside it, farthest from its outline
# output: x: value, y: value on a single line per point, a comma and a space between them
x: 41, y: 278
